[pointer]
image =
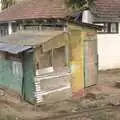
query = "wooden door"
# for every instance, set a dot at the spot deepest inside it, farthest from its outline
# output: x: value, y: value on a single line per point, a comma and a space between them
x: 91, y: 62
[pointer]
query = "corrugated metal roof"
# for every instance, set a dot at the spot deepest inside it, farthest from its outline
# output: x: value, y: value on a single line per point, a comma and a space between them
x: 14, y: 49
x: 30, y: 38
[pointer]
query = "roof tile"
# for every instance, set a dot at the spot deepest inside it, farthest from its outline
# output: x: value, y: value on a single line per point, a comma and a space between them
x: 34, y: 9
x: 107, y: 10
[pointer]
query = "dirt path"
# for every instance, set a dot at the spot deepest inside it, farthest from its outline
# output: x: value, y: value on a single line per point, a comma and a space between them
x: 88, y: 115
x: 105, y: 93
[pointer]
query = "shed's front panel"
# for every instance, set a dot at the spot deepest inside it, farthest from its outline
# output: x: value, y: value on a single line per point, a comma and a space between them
x: 11, y: 72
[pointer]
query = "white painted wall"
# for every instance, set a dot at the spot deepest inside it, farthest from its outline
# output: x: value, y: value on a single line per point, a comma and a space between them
x: 109, y: 50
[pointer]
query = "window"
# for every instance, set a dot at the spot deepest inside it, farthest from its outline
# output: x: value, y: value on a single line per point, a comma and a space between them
x: 108, y: 27
x: 105, y: 28
x: 17, y: 68
x: 43, y: 60
x: 3, y: 32
x: 56, y: 58
x: 59, y: 60
x: 113, y: 27
x: 3, y: 29
x: 100, y: 24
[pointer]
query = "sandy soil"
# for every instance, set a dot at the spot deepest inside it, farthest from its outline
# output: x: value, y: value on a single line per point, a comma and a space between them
x: 97, y: 96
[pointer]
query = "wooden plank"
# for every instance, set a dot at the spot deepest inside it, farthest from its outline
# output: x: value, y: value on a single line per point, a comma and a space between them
x: 56, y: 42
x: 44, y: 71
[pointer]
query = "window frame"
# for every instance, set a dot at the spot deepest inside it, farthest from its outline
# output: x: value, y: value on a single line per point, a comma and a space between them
x: 66, y: 54
x: 108, y: 27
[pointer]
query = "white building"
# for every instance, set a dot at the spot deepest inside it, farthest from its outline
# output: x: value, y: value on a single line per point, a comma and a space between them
x: 107, y: 14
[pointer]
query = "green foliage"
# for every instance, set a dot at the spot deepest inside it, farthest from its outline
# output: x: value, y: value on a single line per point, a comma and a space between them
x: 7, y: 3
x: 80, y: 4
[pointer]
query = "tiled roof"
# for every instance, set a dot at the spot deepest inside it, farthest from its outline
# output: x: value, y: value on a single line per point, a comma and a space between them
x: 34, y: 9
x: 107, y: 10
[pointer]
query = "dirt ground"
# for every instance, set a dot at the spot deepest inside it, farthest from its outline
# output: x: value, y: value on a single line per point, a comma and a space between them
x: 101, y: 95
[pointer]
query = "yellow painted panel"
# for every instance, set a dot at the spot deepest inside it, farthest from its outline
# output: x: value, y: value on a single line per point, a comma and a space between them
x: 77, y: 75
x: 77, y: 62
x: 76, y: 51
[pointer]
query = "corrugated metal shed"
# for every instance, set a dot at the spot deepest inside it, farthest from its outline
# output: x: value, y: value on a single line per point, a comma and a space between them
x: 14, y: 49
x: 30, y: 38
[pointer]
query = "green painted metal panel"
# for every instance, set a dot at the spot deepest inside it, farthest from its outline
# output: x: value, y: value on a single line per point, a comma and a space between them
x: 28, y: 85
x: 10, y: 78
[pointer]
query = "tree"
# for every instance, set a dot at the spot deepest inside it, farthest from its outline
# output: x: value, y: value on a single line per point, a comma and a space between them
x: 80, y: 4
x: 7, y: 3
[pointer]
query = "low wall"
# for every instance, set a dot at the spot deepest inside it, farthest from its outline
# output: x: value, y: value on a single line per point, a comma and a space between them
x: 49, y: 88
